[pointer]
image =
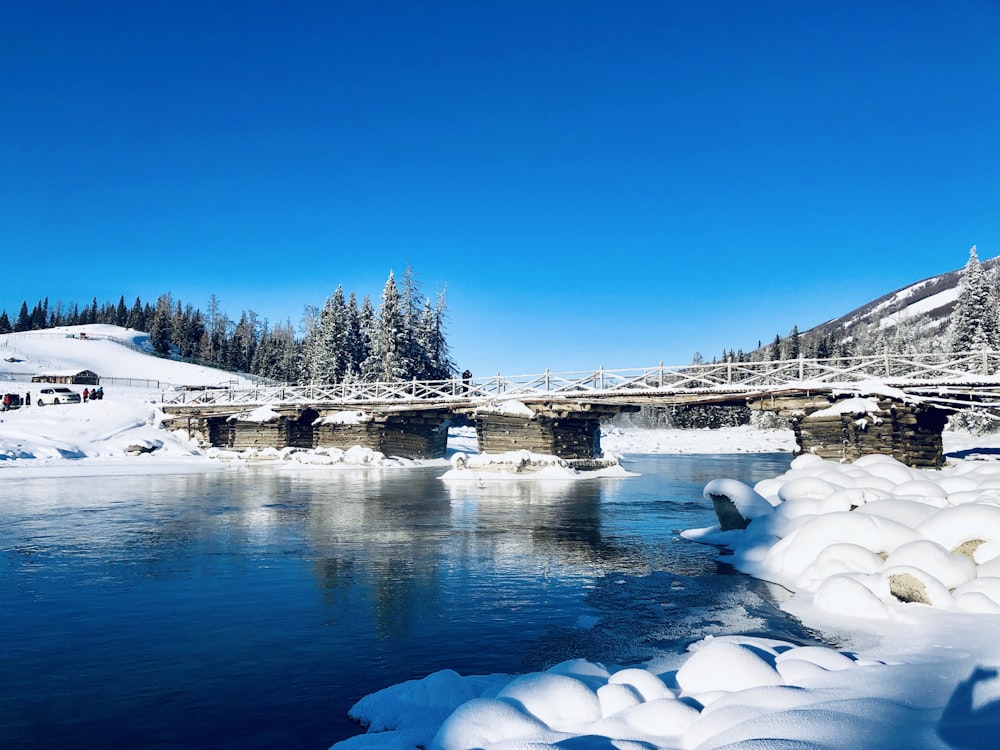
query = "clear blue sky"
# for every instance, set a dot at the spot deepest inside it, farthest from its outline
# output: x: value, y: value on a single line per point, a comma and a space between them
x: 597, y: 183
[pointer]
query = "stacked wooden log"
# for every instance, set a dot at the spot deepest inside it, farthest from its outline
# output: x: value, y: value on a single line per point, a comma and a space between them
x: 909, y: 432
x: 416, y: 434
x: 243, y: 435
x: 566, y: 437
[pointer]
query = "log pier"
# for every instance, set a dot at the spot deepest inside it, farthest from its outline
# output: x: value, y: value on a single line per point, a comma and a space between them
x: 908, y: 431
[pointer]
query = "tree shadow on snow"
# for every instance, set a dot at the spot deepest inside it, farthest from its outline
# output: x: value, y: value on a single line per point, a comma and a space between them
x: 965, y: 726
x: 971, y: 453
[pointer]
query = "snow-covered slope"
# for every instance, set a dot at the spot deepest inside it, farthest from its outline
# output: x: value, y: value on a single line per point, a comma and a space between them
x: 927, y: 303
x: 119, y: 434
x: 110, y: 351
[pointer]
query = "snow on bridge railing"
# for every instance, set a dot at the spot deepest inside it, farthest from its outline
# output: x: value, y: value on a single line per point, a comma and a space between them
x: 945, y: 368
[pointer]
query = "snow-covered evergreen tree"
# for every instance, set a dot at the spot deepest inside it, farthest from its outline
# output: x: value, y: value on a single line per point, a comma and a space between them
x: 277, y: 355
x: 310, y: 343
x: 161, y: 328
x: 366, y: 327
x: 974, y: 323
x: 388, y: 355
x: 435, y: 355
x: 774, y: 353
x: 356, y: 352
x: 792, y: 347
x: 23, y: 322
x: 411, y: 302
x: 333, y: 321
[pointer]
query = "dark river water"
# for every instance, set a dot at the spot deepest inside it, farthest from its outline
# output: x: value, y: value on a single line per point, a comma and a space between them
x: 252, y: 607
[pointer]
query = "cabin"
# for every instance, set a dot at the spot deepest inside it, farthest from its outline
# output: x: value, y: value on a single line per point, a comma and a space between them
x: 68, y: 377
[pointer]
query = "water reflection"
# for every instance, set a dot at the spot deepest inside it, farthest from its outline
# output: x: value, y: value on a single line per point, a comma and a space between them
x: 250, y: 608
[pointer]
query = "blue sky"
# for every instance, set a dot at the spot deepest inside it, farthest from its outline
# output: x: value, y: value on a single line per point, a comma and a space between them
x: 595, y: 183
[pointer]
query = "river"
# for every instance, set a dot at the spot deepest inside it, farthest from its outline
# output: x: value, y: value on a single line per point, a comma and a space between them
x: 250, y: 608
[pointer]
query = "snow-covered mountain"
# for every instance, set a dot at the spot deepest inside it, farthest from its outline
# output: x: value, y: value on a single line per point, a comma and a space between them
x: 923, y: 308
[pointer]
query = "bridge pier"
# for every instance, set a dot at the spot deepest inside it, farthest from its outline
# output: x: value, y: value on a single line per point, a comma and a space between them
x: 418, y: 434
x: 291, y: 430
x: 848, y: 428
x: 569, y: 431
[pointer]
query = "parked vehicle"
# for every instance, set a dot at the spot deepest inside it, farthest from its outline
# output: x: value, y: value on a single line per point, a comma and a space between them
x: 57, y: 396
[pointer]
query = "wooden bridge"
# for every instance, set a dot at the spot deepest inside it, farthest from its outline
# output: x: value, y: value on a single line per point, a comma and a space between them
x: 560, y: 413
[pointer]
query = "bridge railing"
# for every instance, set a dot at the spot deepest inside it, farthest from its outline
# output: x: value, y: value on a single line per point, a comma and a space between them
x: 954, y: 368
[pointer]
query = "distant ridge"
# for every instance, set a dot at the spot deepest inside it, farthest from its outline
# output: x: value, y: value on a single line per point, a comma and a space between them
x: 930, y: 300
x: 913, y: 318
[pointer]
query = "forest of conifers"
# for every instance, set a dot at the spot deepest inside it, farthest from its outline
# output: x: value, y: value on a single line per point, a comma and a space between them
x: 404, y: 338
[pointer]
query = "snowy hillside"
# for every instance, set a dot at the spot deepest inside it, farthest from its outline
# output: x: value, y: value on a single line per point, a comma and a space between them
x: 121, y: 357
x: 924, y: 306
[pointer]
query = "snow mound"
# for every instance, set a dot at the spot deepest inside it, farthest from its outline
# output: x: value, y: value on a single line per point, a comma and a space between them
x: 911, y: 549
x: 728, y: 689
x: 524, y: 464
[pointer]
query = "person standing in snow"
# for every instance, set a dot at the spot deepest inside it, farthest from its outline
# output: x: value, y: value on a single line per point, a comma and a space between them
x: 86, y: 393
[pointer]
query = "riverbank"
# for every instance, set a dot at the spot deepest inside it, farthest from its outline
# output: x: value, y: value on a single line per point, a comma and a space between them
x: 120, y: 434
x: 900, y: 567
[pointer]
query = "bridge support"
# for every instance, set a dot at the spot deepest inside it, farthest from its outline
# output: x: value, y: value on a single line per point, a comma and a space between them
x: 570, y: 431
x: 850, y: 428
x: 283, y: 431
x: 418, y: 434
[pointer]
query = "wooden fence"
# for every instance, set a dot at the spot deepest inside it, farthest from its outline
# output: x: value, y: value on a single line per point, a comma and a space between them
x: 904, y: 371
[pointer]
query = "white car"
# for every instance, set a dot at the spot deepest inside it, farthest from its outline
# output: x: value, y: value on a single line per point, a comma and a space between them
x: 57, y: 396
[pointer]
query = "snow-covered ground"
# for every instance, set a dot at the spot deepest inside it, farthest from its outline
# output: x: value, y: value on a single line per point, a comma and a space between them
x: 900, y: 567
x: 120, y: 354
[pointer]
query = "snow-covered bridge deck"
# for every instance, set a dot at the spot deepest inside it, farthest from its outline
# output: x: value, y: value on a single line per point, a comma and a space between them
x: 940, y: 378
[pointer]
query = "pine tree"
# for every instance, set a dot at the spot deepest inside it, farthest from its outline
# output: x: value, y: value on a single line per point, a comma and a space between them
x: 328, y: 356
x: 974, y: 323
x: 276, y: 355
x: 160, y: 328
x: 435, y: 346
x: 355, y: 350
x: 774, y: 353
x: 366, y: 327
x: 57, y: 315
x: 5, y: 326
x: 411, y: 307
x: 243, y: 343
x: 23, y: 322
x: 311, y: 363
x: 121, y: 313
x: 38, y: 317
x: 336, y: 337
x: 135, y: 320
x: 792, y: 344
x: 387, y: 361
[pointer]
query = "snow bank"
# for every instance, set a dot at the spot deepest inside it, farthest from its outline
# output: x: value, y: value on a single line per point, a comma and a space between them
x: 845, y: 536
x: 302, y: 458
x: 109, y: 436
x: 524, y: 464
x: 904, y: 562
x: 727, y: 691
x: 726, y: 440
